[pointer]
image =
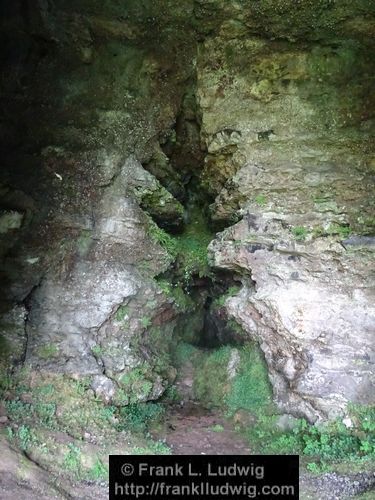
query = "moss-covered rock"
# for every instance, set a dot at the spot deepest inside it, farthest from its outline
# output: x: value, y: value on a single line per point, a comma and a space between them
x: 116, y: 113
x: 229, y: 378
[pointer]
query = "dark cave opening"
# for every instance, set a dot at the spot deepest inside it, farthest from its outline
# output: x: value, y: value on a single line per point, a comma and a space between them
x: 178, y: 165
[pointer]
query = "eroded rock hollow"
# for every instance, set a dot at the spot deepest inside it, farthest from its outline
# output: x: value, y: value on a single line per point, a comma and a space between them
x: 134, y: 135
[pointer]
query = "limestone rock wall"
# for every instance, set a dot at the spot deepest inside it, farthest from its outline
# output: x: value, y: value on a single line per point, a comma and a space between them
x: 88, y: 90
x: 288, y: 127
x: 93, y: 91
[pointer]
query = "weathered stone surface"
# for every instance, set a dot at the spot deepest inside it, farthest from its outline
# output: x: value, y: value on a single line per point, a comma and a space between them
x: 310, y: 305
x: 104, y: 387
x: 287, y: 128
x: 13, y: 337
x: 276, y: 131
x: 154, y: 198
x: 73, y: 325
x: 63, y: 313
x: 91, y: 91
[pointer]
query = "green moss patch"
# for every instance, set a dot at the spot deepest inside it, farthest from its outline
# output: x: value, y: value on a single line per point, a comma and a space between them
x: 182, y: 300
x: 188, y: 249
x: 300, y: 233
x: 48, y: 351
x: 136, y: 384
x: 139, y: 417
x: 251, y: 389
x: 53, y: 417
x: 243, y: 387
x: 185, y: 352
x: 211, y: 385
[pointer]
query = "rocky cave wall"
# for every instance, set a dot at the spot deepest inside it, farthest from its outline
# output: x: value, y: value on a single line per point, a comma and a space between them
x: 102, y: 103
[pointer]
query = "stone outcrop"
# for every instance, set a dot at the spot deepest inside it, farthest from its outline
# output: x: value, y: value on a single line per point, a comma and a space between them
x: 310, y: 306
x: 288, y: 131
x: 88, y: 95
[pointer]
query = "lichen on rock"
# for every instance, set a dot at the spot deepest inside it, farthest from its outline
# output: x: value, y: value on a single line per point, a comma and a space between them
x: 131, y: 133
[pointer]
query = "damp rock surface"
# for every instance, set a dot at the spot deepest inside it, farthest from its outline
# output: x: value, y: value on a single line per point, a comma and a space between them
x: 133, y: 136
x: 266, y: 107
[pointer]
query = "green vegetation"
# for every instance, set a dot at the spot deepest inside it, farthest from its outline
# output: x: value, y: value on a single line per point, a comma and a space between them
x: 32, y: 413
x: 46, y: 413
x: 81, y: 385
x: 162, y: 341
x: 247, y: 389
x: 136, y: 384
x: 146, y: 322
x: 138, y: 417
x: 72, y: 460
x: 45, y: 390
x: 366, y: 225
x: 217, y: 428
x: 17, y: 409
x: 260, y: 200
x: 191, y: 248
x: 251, y: 389
x: 161, y: 237
x: 122, y: 314
x: 188, y: 249
x: 231, y: 292
x: 99, y: 471
x: 175, y: 291
x: 48, y: 351
x: 25, y: 437
x: 172, y: 394
x: 236, y: 328
x: 185, y: 352
x: 43, y: 412
x: 341, y: 230
x: 13, y: 381
x: 211, y: 377
x: 6, y: 381
x: 299, y: 232
x: 97, y: 350
x: 152, y: 448
x: 159, y: 203
x: 321, y: 445
x: 82, y: 412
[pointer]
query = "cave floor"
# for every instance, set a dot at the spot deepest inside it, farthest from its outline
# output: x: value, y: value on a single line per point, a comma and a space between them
x: 194, y: 430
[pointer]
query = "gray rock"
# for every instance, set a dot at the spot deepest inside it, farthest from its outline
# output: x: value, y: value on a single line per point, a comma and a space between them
x: 233, y: 363
x: 286, y: 422
x: 10, y: 221
x: 311, y: 301
x: 360, y: 241
x: 103, y: 387
x: 317, y: 332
